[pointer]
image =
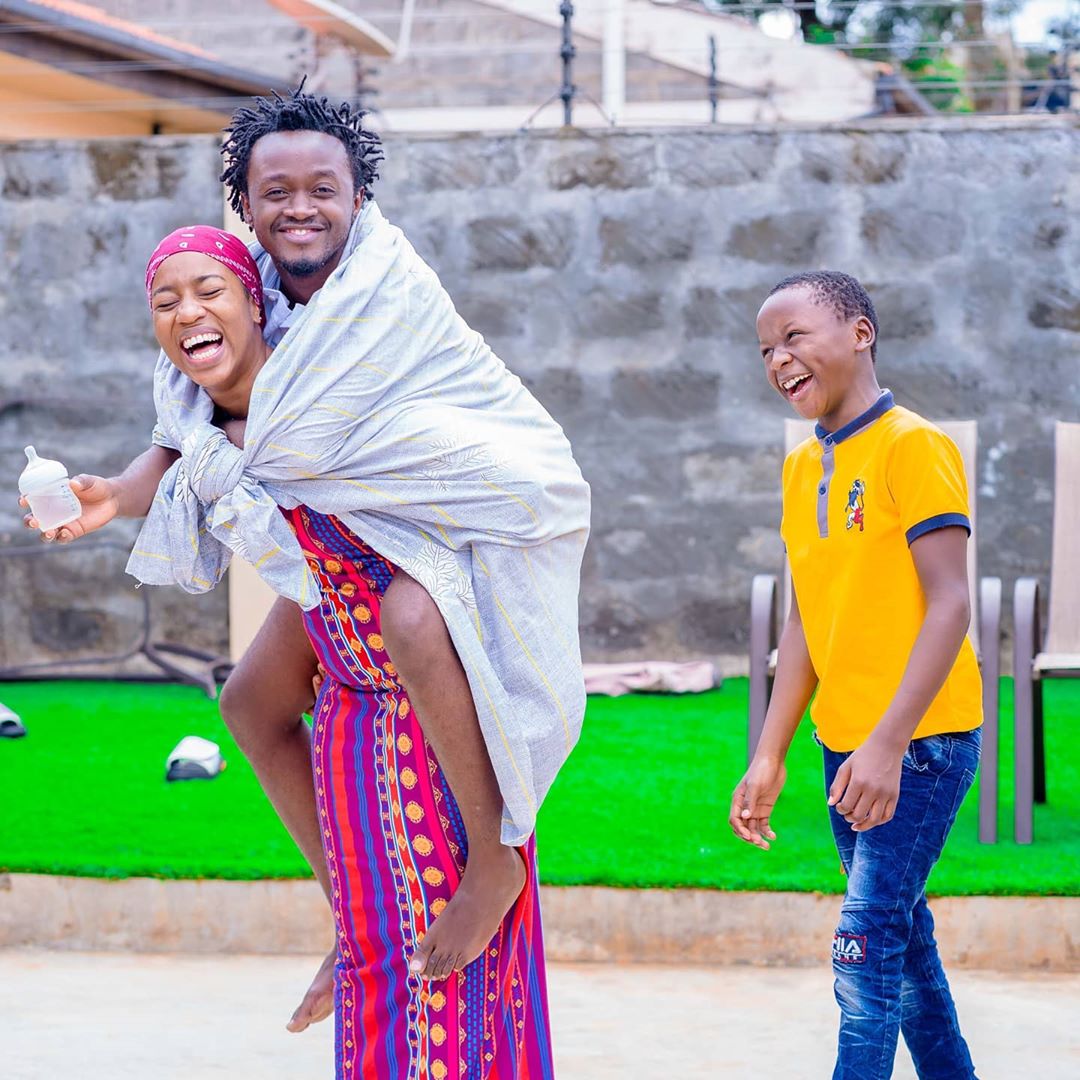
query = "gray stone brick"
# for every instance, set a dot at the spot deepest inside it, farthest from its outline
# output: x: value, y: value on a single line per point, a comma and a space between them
x: 512, y: 243
x: 130, y: 171
x: 617, y: 163
x: 1055, y: 309
x: 861, y: 158
x: 560, y: 390
x: 723, y: 313
x: 607, y: 314
x: 904, y: 311
x: 635, y: 239
x: 491, y: 314
x: 468, y: 165
x: 670, y: 394
x: 790, y: 239
x: 34, y: 172
x: 705, y: 160
x: 913, y: 232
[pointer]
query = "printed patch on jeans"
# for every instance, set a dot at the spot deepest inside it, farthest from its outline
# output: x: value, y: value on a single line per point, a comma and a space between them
x: 849, y: 948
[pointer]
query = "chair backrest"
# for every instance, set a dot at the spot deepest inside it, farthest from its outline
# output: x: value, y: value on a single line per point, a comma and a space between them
x: 1063, y: 633
x: 965, y: 434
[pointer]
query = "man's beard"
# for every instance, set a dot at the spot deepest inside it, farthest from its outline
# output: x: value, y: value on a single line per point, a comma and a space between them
x: 305, y: 267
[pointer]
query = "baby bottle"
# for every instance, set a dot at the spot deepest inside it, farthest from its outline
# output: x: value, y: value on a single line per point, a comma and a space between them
x: 45, y: 484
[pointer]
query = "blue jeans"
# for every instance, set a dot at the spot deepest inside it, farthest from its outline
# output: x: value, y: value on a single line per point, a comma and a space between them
x: 889, y: 977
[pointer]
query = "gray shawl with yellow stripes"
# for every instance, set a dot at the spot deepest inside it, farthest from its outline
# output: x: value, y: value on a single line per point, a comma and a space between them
x: 382, y: 407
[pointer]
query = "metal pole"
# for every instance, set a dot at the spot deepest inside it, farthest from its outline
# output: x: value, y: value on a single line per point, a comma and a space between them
x: 614, y: 73
x: 567, y: 52
x: 714, y: 82
x: 404, y: 40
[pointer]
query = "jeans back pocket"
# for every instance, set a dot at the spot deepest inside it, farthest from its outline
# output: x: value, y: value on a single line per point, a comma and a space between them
x: 930, y: 754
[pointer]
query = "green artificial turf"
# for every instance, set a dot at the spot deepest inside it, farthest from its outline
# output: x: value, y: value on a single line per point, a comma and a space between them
x: 642, y: 801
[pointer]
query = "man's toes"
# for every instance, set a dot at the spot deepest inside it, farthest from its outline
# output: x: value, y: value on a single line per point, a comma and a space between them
x: 321, y: 1008
x: 310, y: 1011
x: 420, y: 964
x: 440, y: 966
x: 300, y: 1020
x: 450, y: 965
x: 434, y: 966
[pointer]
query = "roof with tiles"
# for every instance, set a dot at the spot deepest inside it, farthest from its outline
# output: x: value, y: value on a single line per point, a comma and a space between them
x: 91, y: 14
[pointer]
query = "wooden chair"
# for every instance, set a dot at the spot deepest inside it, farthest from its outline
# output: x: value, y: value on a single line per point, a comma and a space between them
x: 1058, y: 655
x: 985, y: 630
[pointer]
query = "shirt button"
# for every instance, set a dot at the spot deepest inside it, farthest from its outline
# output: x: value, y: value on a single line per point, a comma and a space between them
x: 828, y: 440
x: 821, y: 490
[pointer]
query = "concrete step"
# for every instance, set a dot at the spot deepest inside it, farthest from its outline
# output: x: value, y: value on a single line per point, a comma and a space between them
x: 580, y: 924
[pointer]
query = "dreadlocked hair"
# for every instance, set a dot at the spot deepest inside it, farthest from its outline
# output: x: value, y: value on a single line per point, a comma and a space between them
x: 297, y: 112
x: 841, y: 292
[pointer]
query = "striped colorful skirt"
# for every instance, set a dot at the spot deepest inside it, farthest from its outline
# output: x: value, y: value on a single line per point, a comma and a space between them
x: 396, y: 847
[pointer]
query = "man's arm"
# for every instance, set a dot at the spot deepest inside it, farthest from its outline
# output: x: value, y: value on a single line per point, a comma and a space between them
x: 128, y: 495
x: 867, y: 785
x: 757, y: 792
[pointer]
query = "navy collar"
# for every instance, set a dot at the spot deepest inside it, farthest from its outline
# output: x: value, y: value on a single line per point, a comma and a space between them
x: 880, y: 407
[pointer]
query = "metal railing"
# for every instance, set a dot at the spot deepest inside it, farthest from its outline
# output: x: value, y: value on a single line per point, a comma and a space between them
x: 207, y: 672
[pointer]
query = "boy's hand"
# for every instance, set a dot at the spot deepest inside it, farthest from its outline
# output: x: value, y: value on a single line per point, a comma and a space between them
x: 99, y: 506
x: 754, y: 799
x: 867, y: 786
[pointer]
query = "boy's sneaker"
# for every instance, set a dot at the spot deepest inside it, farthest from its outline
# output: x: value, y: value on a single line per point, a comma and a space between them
x: 11, y: 727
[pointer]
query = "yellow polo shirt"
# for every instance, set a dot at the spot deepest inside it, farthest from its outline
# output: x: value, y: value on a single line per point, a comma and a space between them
x: 854, y: 501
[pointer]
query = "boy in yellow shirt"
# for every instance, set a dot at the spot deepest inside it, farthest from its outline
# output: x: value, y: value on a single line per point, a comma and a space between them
x: 876, y: 525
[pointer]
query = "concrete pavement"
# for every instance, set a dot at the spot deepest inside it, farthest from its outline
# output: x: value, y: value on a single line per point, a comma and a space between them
x: 119, y: 1016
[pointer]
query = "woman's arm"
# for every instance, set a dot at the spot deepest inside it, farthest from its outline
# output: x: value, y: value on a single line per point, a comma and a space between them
x: 128, y: 495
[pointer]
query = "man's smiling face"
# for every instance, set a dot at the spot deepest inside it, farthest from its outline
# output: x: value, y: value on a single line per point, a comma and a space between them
x: 301, y: 201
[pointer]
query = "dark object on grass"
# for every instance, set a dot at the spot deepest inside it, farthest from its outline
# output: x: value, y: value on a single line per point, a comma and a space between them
x: 194, y: 759
x: 11, y: 727
x: 189, y: 770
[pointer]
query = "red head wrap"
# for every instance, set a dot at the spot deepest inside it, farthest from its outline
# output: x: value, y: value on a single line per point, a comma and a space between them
x: 227, y: 249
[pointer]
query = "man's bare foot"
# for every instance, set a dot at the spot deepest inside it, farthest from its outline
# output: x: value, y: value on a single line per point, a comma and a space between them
x: 318, y: 1002
x: 492, y: 881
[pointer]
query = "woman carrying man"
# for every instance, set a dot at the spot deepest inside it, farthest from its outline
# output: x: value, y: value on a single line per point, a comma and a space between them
x: 367, y: 455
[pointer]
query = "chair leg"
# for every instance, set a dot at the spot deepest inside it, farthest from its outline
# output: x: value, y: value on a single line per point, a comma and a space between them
x: 762, y: 638
x: 1025, y: 635
x: 1039, y: 763
x: 990, y: 643
x: 1023, y: 747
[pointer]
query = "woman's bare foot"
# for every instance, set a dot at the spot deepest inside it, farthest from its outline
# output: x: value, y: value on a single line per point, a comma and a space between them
x: 492, y: 881
x: 318, y: 1002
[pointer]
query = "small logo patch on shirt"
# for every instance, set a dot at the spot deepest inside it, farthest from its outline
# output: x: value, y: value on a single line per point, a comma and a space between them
x: 849, y: 948
x: 856, y: 504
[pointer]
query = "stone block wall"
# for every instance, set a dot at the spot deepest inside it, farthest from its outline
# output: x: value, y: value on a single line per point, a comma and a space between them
x: 619, y: 274
x: 77, y: 224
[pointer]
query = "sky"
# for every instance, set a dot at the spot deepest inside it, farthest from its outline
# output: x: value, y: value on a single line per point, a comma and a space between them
x: 1029, y: 24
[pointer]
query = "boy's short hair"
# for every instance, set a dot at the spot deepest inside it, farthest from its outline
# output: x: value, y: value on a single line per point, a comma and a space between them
x: 841, y: 292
